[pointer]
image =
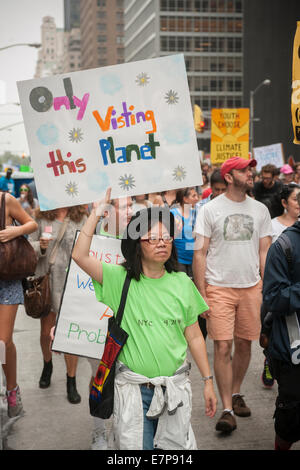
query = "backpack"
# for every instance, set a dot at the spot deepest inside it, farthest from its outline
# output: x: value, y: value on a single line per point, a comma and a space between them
x: 265, y: 315
x: 291, y: 322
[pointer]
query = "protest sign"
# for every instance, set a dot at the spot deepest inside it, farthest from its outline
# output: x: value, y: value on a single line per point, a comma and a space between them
x: 268, y: 154
x: 128, y: 126
x: 229, y: 134
x: 81, y: 325
x: 296, y: 86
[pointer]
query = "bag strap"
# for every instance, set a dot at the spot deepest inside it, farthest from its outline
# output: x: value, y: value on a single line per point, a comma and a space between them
x: 2, y: 214
x: 58, y: 240
x: 286, y: 245
x: 120, y: 312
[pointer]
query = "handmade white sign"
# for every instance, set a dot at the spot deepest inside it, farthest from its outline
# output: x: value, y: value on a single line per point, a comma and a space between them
x: 128, y: 126
x: 81, y: 325
x: 269, y: 154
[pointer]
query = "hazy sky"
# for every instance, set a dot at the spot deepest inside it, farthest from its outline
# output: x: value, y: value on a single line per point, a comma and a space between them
x: 20, y: 22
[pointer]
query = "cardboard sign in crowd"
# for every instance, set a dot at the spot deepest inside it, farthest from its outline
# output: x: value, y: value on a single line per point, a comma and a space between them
x: 127, y: 126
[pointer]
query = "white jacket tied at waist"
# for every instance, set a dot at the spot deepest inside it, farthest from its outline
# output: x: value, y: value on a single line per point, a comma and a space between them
x: 172, y: 408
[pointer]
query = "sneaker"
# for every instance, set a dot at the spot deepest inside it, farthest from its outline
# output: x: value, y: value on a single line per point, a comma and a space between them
x: 226, y: 423
x: 239, y: 406
x: 99, y: 441
x: 266, y: 376
x: 14, y: 403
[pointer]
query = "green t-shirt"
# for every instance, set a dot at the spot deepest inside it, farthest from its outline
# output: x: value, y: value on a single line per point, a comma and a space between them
x: 157, y: 311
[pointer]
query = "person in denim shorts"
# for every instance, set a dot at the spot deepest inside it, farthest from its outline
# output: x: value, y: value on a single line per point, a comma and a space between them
x: 11, y: 295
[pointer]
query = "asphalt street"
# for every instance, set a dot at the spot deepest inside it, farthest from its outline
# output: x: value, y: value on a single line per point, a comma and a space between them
x: 50, y: 422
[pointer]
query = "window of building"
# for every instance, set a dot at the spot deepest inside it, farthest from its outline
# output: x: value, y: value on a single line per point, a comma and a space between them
x: 238, y: 45
x: 238, y: 64
x: 188, y: 63
x: 102, y: 38
x: 213, y: 5
x: 101, y: 3
x: 180, y: 44
x: 172, y: 23
x: 163, y: 23
x: 101, y: 26
x: 181, y: 24
x: 198, y: 64
x: 230, y: 6
x: 238, y: 6
x: 164, y: 44
x: 205, y: 104
x: 172, y: 44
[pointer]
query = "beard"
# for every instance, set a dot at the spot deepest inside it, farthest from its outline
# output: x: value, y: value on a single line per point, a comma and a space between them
x: 243, y: 186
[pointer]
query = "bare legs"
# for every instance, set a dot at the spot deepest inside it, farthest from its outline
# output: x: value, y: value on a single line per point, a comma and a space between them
x: 7, y: 321
x: 230, y: 373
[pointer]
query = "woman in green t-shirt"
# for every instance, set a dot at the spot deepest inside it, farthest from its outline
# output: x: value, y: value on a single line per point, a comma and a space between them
x: 161, y: 319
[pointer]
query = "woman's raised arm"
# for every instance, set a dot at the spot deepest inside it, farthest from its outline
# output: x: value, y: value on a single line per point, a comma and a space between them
x: 80, y: 254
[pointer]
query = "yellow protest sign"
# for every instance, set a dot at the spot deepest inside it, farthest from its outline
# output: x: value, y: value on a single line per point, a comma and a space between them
x: 229, y: 134
x: 296, y: 86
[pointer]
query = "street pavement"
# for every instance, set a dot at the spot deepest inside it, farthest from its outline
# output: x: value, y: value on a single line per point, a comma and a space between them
x: 50, y: 422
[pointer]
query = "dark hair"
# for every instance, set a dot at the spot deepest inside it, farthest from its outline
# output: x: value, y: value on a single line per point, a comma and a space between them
x: 182, y: 193
x: 216, y: 177
x: 269, y: 168
x: 286, y: 191
x: 29, y: 195
x: 140, y: 224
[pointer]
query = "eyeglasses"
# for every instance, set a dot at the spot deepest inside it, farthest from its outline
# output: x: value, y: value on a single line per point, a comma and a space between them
x: 24, y: 189
x: 155, y: 240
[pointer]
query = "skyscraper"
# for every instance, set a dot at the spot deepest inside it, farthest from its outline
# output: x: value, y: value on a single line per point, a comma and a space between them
x: 72, y: 40
x: 71, y: 14
x: 51, y: 53
x: 208, y: 32
x: 101, y: 27
x: 269, y: 29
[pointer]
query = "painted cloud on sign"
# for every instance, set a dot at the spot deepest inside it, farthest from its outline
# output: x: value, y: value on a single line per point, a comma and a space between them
x: 47, y: 134
x: 110, y: 84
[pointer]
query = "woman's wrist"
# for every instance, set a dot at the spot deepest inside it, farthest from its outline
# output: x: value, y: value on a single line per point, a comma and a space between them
x: 208, y: 379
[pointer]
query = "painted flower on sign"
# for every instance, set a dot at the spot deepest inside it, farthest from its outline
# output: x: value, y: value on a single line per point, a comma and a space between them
x: 172, y: 97
x: 72, y: 189
x: 127, y: 182
x: 142, y: 79
x: 75, y: 135
x: 179, y: 173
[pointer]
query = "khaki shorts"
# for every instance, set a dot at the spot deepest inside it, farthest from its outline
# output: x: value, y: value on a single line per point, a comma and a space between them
x: 234, y: 312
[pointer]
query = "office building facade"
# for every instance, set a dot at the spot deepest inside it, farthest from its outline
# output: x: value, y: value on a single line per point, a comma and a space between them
x: 208, y: 32
x: 269, y: 30
x: 51, y: 53
x: 102, y: 37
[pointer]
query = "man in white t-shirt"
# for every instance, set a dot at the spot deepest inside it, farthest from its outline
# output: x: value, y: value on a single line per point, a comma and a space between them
x: 233, y: 234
